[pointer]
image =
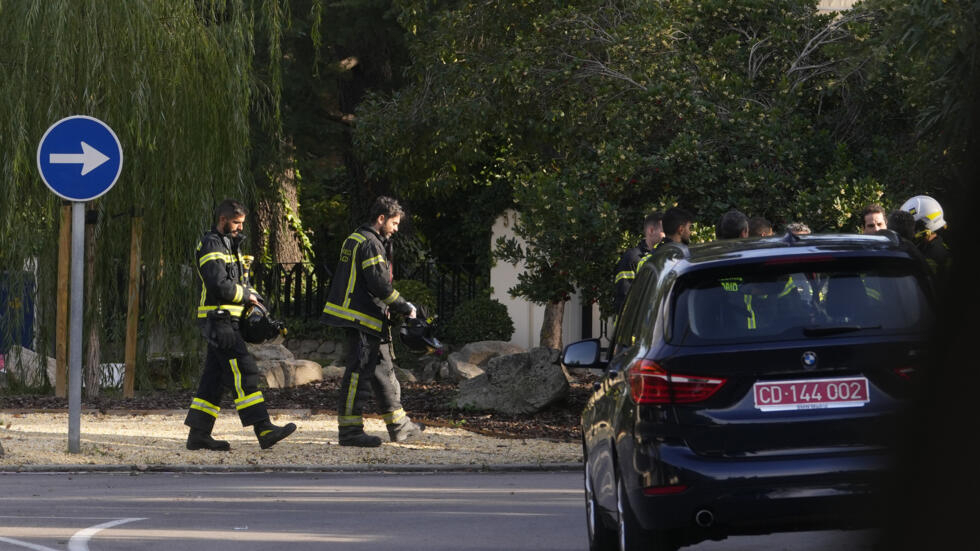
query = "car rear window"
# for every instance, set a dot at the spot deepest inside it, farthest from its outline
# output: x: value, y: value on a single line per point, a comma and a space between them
x: 789, y: 300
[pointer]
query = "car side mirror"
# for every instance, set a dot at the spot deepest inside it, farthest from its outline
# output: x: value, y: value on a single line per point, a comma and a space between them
x: 582, y: 355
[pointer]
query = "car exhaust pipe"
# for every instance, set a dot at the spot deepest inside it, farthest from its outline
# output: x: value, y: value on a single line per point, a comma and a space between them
x: 704, y: 518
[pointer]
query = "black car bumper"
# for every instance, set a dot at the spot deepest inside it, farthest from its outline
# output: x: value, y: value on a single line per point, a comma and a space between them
x: 761, y: 494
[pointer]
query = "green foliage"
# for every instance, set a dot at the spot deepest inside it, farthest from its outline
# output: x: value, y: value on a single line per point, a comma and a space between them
x: 183, y: 86
x: 586, y: 114
x: 479, y: 319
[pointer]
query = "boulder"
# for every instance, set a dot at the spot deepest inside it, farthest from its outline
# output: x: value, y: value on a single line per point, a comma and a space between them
x: 521, y: 383
x: 290, y: 373
x: 270, y: 351
x: 333, y: 372
x: 1, y: 450
x: 328, y: 348
x: 471, y: 360
x: 28, y: 367
x: 404, y: 375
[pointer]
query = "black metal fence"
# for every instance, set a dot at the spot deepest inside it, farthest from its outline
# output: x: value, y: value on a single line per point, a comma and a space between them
x: 300, y: 289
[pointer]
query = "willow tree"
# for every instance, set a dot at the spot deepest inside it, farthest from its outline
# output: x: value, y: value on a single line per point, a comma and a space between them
x: 176, y: 81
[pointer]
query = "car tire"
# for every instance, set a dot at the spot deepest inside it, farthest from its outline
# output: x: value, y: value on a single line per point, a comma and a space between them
x: 632, y: 536
x: 601, y: 537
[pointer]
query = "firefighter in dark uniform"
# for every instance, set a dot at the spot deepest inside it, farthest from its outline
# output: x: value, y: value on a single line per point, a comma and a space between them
x: 626, y: 268
x: 929, y: 228
x: 224, y: 294
x: 360, y: 298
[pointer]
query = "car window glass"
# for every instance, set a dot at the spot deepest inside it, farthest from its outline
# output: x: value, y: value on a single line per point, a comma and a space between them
x: 634, y: 309
x: 826, y: 299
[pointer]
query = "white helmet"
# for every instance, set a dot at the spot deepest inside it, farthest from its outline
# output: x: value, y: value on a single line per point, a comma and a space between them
x: 926, y: 209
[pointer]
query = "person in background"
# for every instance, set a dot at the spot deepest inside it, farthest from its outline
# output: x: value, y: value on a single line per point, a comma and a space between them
x: 798, y: 228
x: 929, y: 229
x: 732, y: 225
x: 759, y: 227
x: 677, y: 226
x: 653, y: 233
x: 873, y: 219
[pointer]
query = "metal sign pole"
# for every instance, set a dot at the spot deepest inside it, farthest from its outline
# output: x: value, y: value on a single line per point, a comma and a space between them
x: 79, y: 159
x: 75, y: 327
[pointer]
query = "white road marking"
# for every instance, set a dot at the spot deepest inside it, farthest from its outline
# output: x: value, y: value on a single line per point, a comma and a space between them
x: 79, y: 542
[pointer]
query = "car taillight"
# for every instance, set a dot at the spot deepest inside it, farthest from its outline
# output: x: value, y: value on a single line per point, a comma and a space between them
x: 651, y: 384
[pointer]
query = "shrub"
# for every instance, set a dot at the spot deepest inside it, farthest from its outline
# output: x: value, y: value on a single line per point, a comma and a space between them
x: 479, y: 319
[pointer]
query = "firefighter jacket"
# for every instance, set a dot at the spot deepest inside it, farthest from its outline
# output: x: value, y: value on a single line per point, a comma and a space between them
x: 361, y: 291
x: 626, y: 272
x: 224, y: 279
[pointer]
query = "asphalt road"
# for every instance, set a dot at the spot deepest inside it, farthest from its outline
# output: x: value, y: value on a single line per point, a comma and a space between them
x: 376, y: 511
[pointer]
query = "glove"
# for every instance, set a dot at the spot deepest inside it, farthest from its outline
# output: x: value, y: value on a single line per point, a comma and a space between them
x: 224, y: 334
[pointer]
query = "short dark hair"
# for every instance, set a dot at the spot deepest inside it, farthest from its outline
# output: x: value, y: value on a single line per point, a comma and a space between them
x: 731, y: 225
x: 674, y: 218
x: 873, y: 208
x: 903, y: 223
x: 652, y: 219
x: 385, y: 206
x: 757, y: 225
x: 229, y: 208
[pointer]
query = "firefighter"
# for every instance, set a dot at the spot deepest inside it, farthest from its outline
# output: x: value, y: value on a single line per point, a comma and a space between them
x: 224, y: 294
x: 360, y: 298
x: 929, y: 229
x: 626, y: 268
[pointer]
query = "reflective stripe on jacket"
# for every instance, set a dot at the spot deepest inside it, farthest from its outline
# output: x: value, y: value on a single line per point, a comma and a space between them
x: 221, y: 269
x: 361, y: 290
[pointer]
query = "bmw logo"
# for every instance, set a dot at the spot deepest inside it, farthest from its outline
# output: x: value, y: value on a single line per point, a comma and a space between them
x: 809, y: 360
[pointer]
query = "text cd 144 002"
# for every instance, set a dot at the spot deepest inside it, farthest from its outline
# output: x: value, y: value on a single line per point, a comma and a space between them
x: 811, y: 394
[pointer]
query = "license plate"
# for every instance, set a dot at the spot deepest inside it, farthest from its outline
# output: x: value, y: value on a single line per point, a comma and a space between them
x: 844, y: 392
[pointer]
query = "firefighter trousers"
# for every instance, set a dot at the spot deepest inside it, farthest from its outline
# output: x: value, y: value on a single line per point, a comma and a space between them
x: 368, y: 368
x: 227, y: 369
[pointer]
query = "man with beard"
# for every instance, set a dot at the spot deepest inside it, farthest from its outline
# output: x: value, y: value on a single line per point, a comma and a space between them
x: 225, y: 292
x: 360, y: 298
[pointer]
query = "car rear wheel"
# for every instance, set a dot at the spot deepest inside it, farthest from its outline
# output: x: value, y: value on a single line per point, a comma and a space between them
x: 601, y: 537
x: 632, y: 536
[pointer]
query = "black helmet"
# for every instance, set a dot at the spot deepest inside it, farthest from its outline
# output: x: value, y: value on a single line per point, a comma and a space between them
x: 258, y: 326
x: 417, y: 334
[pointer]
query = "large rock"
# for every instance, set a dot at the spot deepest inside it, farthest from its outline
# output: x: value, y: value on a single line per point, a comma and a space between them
x: 266, y: 352
x: 333, y: 372
x: 1, y: 450
x: 290, y: 373
x: 517, y: 383
x: 29, y: 367
x: 472, y: 359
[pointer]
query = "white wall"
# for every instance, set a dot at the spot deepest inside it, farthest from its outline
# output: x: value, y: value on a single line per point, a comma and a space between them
x: 526, y: 315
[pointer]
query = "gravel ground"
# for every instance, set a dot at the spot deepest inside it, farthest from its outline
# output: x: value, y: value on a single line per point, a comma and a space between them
x: 155, y: 439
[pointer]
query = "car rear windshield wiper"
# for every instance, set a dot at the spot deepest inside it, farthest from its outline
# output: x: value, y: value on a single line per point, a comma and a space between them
x: 835, y: 329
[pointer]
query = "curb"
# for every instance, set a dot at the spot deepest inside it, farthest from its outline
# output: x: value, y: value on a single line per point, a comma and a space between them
x: 353, y: 468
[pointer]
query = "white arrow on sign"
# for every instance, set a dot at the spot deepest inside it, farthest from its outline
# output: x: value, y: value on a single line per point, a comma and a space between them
x: 90, y: 158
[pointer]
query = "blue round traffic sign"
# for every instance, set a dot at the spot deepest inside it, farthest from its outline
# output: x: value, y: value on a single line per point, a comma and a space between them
x: 79, y: 158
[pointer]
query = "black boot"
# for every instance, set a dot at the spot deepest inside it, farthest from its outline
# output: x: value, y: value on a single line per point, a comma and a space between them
x: 268, y: 434
x: 355, y: 436
x: 405, y: 431
x: 200, y: 439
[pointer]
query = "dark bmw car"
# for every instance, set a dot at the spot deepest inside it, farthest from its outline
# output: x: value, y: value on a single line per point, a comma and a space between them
x: 751, y: 386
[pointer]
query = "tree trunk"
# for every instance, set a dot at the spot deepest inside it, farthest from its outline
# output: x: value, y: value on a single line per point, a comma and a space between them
x: 273, y: 229
x: 93, y: 349
x: 551, y: 325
